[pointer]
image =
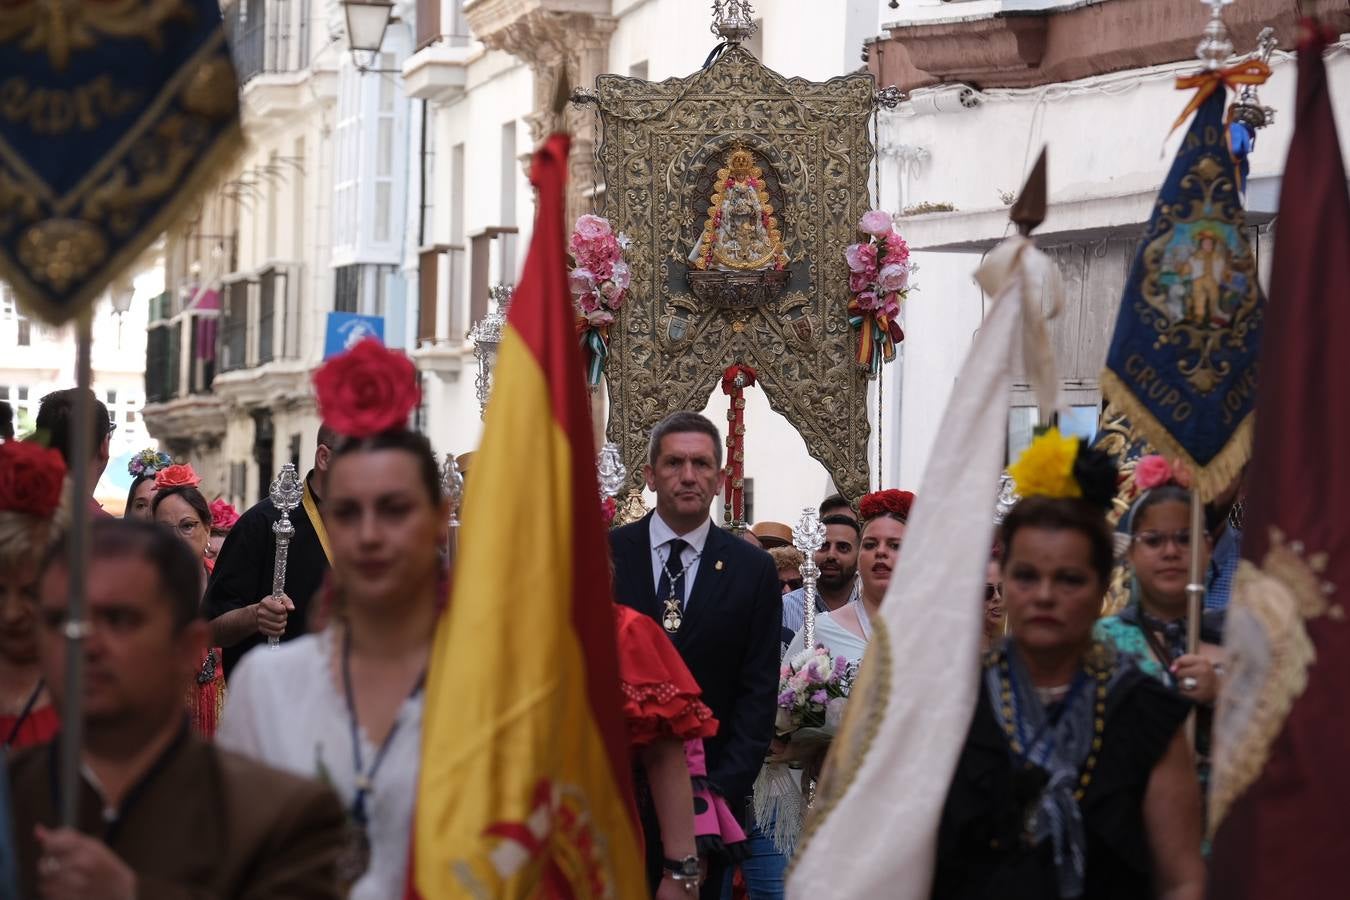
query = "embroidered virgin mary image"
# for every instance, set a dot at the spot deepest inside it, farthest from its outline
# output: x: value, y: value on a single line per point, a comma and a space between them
x: 741, y: 232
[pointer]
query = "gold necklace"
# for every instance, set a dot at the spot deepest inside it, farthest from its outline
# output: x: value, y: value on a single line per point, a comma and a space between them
x: 1099, y: 667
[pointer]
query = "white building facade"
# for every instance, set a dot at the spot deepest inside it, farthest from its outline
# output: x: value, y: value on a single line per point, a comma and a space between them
x: 956, y: 153
x: 309, y: 221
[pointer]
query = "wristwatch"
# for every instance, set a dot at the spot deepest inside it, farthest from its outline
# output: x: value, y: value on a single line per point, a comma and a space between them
x: 686, y: 869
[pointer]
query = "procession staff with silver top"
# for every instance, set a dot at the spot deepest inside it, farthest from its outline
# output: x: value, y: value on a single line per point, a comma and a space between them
x: 847, y: 630
x: 715, y: 595
x: 239, y: 600
x: 837, y: 560
x: 285, y: 496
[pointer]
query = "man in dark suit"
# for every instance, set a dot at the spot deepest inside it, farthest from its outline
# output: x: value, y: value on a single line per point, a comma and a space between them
x: 716, y: 596
x: 238, y: 601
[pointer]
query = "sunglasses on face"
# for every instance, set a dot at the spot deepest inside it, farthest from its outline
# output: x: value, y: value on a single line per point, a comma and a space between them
x: 791, y: 584
x: 1156, y: 540
x: 991, y: 591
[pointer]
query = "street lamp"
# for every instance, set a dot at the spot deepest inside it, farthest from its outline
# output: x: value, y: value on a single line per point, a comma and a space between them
x: 367, y: 21
x: 121, y: 294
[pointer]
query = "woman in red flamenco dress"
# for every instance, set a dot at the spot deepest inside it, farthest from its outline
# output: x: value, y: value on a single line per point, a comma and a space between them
x: 180, y: 505
x: 667, y: 722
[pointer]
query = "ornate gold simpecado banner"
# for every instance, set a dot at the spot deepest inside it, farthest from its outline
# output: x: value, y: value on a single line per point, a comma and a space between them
x: 740, y: 190
x: 112, y: 114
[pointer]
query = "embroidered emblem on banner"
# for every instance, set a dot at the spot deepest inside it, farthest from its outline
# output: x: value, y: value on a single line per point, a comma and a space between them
x: 1182, y: 363
x: 112, y: 115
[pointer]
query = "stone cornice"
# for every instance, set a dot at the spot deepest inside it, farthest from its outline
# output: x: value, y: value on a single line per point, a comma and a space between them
x: 197, y: 417
x: 1030, y: 49
x: 541, y: 32
x: 272, y: 384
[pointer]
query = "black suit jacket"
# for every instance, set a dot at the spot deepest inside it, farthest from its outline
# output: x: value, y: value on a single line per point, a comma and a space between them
x: 729, y: 639
x: 243, y: 572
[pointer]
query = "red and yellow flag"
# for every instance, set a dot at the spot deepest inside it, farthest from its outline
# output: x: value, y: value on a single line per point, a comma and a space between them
x: 525, y: 786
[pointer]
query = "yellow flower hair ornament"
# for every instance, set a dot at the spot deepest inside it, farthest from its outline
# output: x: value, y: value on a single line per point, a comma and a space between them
x: 1045, y: 469
x: 1062, y: 466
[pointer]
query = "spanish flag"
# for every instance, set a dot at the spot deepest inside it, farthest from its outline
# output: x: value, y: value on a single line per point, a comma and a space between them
x: 525, y: 787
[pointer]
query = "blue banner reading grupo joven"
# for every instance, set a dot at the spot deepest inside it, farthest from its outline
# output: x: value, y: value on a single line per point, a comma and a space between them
x: 1182, y: 363
x: 114, y: 115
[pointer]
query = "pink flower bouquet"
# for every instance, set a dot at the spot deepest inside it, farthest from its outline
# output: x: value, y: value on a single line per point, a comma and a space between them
x: 599, y: 282
x: 813, y: 687
x: 879, y: 279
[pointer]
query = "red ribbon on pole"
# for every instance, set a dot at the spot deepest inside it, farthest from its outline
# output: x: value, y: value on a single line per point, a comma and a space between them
x: 735, y: 380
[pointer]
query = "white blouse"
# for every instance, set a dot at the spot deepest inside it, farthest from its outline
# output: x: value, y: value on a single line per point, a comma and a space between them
x: 836, y: 638
x: 284, y: 710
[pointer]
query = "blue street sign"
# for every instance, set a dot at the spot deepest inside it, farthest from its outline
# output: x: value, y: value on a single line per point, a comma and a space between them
x: 348, y: 329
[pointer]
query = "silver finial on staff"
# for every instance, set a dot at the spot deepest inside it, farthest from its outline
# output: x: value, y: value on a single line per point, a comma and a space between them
x: 808, y: 537
x: 1215, y: 45
x: 452, y: 486
x: 611, y: 470
x: 285, y: 495
x: 1247, y: 108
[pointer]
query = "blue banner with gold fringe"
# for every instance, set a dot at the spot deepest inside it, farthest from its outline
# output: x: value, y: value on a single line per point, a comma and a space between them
x: 113, y: 113
x: 1182, y: 363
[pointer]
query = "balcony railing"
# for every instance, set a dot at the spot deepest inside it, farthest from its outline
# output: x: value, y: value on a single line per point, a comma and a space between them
x: 268, y: 36
x: 181, y: 346
x: 234, y: 325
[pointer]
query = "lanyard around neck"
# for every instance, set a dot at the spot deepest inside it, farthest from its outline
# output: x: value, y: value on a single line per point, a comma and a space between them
x: 365, y: 781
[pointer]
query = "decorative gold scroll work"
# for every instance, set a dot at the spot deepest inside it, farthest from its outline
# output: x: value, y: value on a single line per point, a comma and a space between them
x: 664, y: 146
x: 1269, y: 653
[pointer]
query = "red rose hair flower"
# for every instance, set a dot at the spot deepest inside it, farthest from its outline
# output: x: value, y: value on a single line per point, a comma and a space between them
x: 1151, y: 472
x: 31, y: 477
x: 177, y: 476
x: 367, y: 390
x: 889, y: 502
x: 223, y: 515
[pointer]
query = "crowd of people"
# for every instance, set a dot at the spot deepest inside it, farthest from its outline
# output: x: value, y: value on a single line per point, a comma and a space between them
x: 214, y: 768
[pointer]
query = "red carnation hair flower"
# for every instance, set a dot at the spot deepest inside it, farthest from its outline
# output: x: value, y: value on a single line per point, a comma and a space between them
x: 223, y: 515
x: 367, y: 390
x: 31, y: 477
x: 888, y: 502
x: 177, y: 476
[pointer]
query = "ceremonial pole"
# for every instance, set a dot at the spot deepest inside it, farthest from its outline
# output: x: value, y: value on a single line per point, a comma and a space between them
x: 452, y: 485
x: 76, y: 628
x: 285, y: 496
x: 1195, y: 587
x: 611, y: 471
x: 1213, y: 50
x: 807, y: 537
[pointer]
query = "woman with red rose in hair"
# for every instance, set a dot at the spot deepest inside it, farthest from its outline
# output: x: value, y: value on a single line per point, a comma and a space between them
x: 179, y: 505
x: 350, y: 712
x: 31, y: 519
x: 223, y: 517
x: 847, y: 630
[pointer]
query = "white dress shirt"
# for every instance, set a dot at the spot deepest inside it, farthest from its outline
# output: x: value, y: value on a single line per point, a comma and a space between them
x: 661, y: 535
